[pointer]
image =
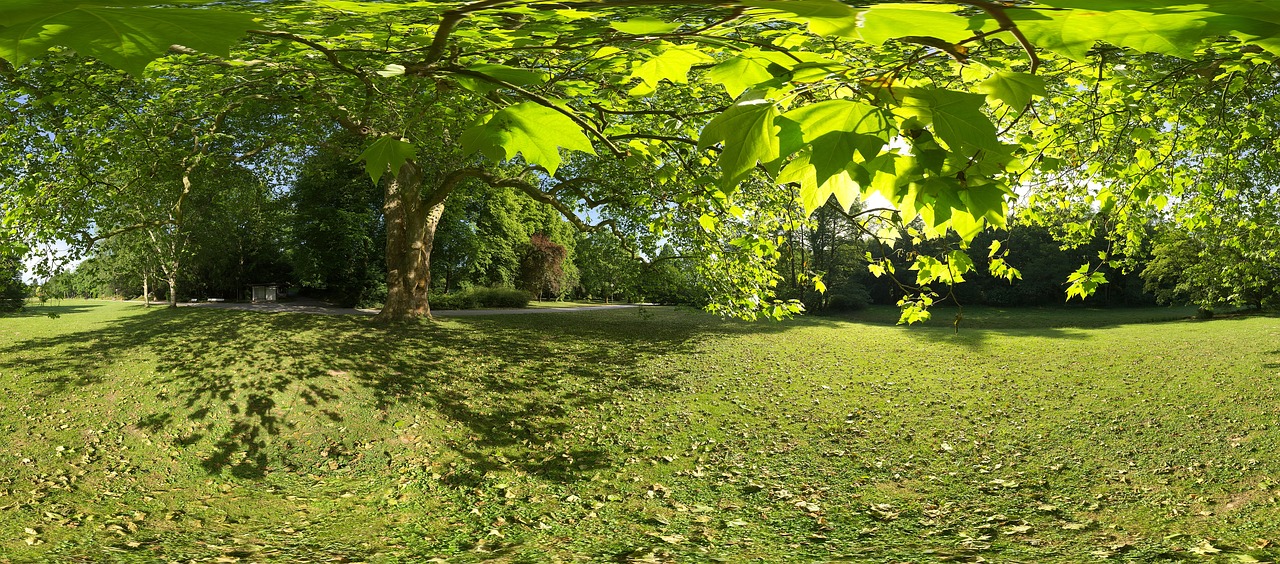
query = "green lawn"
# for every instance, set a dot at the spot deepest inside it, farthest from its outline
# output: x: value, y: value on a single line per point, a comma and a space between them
x: 637, y: 435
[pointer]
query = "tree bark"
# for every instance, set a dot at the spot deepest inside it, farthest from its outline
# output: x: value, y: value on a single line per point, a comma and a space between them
x: 173, y: 290
x: 146, y: 289
x: 411, y: 231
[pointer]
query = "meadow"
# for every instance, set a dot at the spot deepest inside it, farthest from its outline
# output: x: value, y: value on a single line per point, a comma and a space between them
x: 650, y: 435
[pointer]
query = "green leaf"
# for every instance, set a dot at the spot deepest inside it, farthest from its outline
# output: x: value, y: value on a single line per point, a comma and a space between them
x: 1176, y: 30
x: 1083, y: 284
x: 1014, y: 89
x: 708, y: 222
x: 645, y: 26
x: 127, y: 38
x: 368, y: 8
x: 532, y: 130
x: 739, y: 73
x: 814, y: 194
x: 957, y: 117
x: 960, y: 263
x: 986, y: 201
x: 671, y: 63
x: 387, y: 152
x: 824, y: 17
x: 391, y: 70
x: 891, y: 21
x: 747, y: 134
x: 806, y: 124
x: 513, y: 75
x: 835, y: 151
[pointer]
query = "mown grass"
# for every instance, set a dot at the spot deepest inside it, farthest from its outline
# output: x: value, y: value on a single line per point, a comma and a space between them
x: 625, y: 435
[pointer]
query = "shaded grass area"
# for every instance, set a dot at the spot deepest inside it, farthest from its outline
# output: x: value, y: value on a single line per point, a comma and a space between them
x: 637, y: 435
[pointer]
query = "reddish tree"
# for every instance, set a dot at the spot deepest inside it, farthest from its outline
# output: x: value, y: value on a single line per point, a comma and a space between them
x: 542, y: 268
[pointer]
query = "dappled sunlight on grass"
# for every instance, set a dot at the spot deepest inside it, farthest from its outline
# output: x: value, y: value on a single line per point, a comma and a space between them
x: 630, y: 434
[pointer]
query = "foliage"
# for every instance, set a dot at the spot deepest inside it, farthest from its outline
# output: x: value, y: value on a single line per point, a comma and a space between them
x: 671, y: 281
x: 542, y: 267
x: 941, y: 110
x: 152, y: 155
x: 592, y: 435
x: 478, y: 297
x: 823, y: 262
x: 606, y: 269
x: 483, y: 234
x: 336, y: 231
x: 1184, y: 269
x: 13, y: 291
x: 1044, y: 265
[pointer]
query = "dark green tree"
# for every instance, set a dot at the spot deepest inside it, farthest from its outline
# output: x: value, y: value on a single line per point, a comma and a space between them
x: 13, y: 292
x: 336, y: 229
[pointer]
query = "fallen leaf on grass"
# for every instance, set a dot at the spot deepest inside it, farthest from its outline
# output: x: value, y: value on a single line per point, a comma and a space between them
x: 883, y: 511
x: 1205, y: 548
x: 669, y: 539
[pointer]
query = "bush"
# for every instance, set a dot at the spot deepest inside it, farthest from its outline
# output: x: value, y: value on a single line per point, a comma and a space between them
x: 853, y: 297
x: 502, y: 297
x: 476, y: 298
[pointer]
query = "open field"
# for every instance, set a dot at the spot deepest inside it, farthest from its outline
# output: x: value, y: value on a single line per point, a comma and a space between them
x: 637, y: 435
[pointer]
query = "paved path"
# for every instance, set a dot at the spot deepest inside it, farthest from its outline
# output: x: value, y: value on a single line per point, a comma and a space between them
x: 320, y: 308
x: 473, y: 312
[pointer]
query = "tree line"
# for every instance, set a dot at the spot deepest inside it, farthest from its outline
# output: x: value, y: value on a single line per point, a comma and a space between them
x: 703, y: 132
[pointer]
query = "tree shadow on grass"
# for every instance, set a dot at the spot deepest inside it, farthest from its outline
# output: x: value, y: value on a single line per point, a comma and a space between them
x: 977, y: 326
x: 230, y: 384
x: 53, y: 310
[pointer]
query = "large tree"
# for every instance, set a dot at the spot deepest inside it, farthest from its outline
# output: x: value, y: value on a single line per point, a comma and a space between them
x: 932, y: 107
x: 97, y: 154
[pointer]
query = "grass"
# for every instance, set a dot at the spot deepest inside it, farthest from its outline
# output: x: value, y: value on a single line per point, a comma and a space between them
x: 637, y: 435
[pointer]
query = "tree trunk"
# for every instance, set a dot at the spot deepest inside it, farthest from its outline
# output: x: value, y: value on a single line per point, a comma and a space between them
x: 173, y: 290
x: 146, y: 290
x: 411, y: 232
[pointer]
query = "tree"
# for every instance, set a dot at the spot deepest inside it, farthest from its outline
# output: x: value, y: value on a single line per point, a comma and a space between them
x: 1205, y: 272
x: 108, y: 154
x: 607, y: 270
x: 542, y: 267
x: 940, y: 109
x: 484, y: 234
x: 237, y: 235
x: 337, y: 241
x: 13, y: 292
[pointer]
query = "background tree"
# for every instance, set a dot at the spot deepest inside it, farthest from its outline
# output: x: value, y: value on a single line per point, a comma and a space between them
x: 109, y: 154
x: 13, y: 291
x: 484, y: 234
x: 827, y: 247
x: 337, y: 241
x: 542, y: 267
x: 607, y: 270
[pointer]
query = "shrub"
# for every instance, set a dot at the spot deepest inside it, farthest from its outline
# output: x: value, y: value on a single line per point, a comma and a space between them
x: 475, y: 298
x: 852, y: 298
x: 502, y: 297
